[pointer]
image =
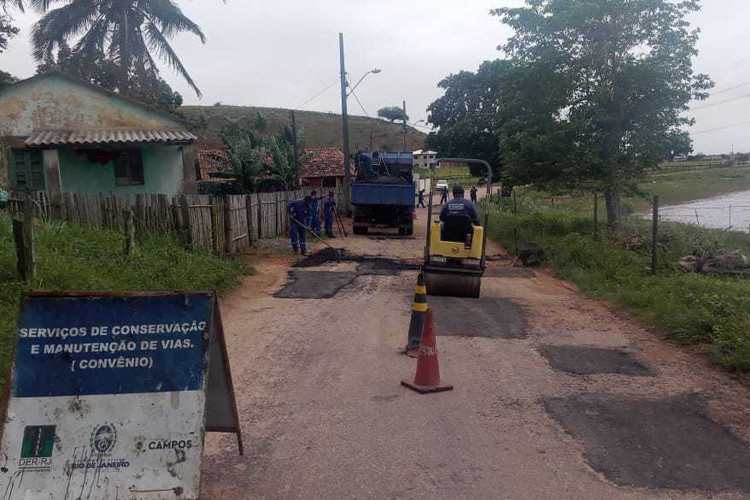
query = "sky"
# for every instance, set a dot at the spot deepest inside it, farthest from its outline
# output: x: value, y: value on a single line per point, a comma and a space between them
x: 282, y: 53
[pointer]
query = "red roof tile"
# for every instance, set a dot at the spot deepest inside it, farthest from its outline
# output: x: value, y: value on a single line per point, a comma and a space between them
x: 213, y: 161
x: 322, y: 162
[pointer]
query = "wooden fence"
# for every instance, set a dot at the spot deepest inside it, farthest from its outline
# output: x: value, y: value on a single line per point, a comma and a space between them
x: 223, y: 225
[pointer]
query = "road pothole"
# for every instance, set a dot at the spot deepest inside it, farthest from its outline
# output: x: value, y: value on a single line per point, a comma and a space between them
x: 655, y: 444
x: 591, y: 361
x: 483, y: 317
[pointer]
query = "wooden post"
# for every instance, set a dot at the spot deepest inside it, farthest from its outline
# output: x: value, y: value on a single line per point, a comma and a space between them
x: 185, y: 230
x: 655, y: 237
x: 250, y: 224
x: 228, y: 243
x: 260, y: 216
x: 215, y: 228
x: 23, y: 234
x: 596, y: 215
x: 129, y: 234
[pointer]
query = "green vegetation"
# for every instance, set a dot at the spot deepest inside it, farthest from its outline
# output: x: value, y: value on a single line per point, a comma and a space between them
x: 681, y: 187
x: 81, y: 258
x: 321, y: 129
x: 690, y: 308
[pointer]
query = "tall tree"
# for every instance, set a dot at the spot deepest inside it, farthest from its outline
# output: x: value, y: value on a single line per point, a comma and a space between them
x: 467, y: 116
x: 393, y: 113
x: 127, y: 33
x: 7, y: 30
x: 104, y: 73
x: 599, y: 86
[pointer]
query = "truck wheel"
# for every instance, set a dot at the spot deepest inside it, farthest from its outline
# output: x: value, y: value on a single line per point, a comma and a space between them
x: 410, y: 229
x: 402, y: 231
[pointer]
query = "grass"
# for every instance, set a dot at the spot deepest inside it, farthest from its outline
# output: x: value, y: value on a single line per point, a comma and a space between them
x: 319, y: 129
x: 690, y: 308
x: 688, y: 186
x: 80, y: 258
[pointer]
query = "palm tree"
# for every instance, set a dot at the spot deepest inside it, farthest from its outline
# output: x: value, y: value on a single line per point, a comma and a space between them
x: 130, y: 33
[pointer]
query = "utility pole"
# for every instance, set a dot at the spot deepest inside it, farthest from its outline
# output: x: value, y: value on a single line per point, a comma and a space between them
x: 294, y: 146
x: 404, y: 117
x: 345, y: 126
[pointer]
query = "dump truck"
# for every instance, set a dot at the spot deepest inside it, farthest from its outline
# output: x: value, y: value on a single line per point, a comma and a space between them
x: 383, y: 191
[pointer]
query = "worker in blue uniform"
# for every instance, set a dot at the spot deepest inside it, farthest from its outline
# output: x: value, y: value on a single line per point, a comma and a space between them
x: 329, y: 205
x: 460, y: 206
x: 443, y: 194
x: 299, y: 213
x: 313, y: 221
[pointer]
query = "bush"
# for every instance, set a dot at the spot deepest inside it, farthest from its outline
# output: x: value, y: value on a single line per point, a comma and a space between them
x: 691, y: 308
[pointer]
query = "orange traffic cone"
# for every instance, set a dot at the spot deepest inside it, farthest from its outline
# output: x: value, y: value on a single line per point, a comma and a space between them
x: 427, y: 378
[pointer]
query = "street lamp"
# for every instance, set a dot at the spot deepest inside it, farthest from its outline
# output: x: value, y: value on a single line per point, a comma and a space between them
x: 374, y: 71
x: 345, y: 119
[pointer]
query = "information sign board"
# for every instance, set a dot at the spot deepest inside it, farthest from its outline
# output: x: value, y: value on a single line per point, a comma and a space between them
x: 108, y: 396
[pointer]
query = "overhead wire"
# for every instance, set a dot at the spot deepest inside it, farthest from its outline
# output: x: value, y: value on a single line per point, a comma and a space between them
x: 318, y: 94
x: 720, y: 102
x: 724, y: 127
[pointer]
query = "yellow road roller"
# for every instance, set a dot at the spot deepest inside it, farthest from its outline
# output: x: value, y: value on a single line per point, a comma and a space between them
x: 455, y: 250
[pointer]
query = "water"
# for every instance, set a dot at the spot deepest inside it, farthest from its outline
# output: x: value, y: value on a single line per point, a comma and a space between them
x: 731, y: 211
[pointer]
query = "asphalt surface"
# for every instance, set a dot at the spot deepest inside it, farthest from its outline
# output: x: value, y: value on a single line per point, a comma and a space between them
x: 556, y: 396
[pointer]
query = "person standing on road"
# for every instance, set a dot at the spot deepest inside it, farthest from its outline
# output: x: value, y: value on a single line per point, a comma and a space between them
x: 474, y: 194
x: 299, y: 213
x: 460, y: 206
x: 444, y: 194
x: 421, y: 199
x: 329, y: 205
x: 313, y: 222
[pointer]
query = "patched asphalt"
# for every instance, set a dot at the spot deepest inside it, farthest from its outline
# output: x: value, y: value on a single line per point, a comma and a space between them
x: 483, y: 317
x: 306, y: 284
x: 592, y: 361
x: 655, y: 444
x: 308, y: 281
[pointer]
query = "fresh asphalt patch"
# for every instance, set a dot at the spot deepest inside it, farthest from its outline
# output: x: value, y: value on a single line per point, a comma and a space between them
x: 315, y: 284
x: 592, y: 361
x: 669, y: 444
x: 483, y: 317
x: 307, y: 283
x: 509, y: 272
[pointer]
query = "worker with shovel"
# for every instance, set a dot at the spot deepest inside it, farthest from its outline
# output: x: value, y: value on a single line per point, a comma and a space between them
x: 329, y: 205
x: 299, y: 211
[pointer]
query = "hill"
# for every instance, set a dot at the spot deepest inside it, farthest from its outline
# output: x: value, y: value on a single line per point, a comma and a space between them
x: 320, y: 129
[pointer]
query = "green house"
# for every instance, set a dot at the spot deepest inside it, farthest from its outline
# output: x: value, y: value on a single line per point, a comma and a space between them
x: 58, y: 134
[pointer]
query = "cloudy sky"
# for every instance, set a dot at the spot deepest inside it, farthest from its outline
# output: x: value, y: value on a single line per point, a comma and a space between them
x: 282, y: 53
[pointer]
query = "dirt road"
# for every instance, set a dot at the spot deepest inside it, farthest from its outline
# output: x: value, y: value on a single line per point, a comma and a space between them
x: 556, y: 396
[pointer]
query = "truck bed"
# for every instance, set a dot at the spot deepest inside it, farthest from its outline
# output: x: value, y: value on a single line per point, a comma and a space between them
x: 383, y: 194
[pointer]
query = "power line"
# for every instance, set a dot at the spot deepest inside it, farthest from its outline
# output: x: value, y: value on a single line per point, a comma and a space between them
x: 420, y: 126
x: 720, y: 128
x: 720, y: 102
x: 730, y: 89
x: 360, y: 104
x: 318, y: 94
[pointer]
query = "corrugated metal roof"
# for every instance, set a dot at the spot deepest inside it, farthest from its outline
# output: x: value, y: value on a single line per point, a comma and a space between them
x: 108, y: 136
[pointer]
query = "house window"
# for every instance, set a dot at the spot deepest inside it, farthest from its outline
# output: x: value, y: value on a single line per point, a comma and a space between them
x: 28, y: 169
x: 129, y: 168
x: 329, y: 182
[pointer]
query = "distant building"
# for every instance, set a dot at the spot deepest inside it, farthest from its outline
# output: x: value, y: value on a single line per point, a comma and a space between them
x: 323, y: 167
x: 61, y: 134
x: 425, y: 158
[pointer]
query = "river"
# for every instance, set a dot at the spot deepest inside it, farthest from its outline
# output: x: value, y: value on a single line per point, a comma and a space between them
x: 730, y: 211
